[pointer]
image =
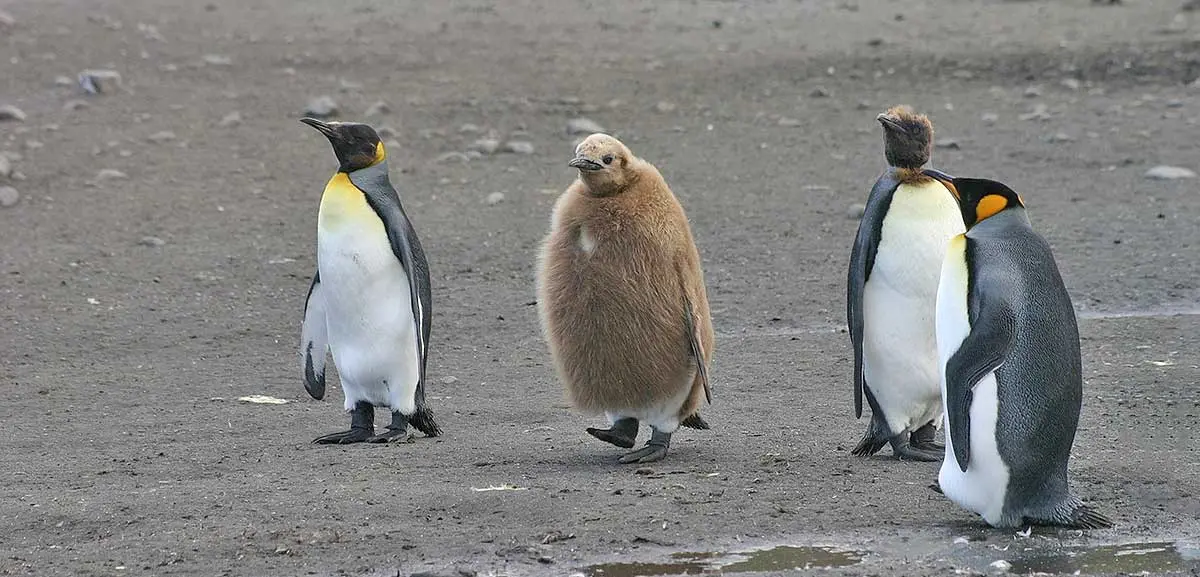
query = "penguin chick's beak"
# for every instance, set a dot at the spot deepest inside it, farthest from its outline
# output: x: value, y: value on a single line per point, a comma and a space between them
x: 584, y: 163
x: 890, y: 122
x: 323, y: 128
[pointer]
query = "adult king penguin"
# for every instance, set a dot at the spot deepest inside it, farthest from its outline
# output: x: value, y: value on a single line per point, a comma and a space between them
x: 622, y: 300
x: 1012, y: 383
x: 892, y: 290
x: 369, y: 302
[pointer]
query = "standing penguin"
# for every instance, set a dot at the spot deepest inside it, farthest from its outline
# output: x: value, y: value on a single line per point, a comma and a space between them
x: 369, y: 302
x: 1012, y: 382
x: 622, y: 300
x: 891, y: 293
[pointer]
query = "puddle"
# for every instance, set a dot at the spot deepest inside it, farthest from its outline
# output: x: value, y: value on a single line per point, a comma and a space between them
x: 783, y: 557
x: 1128, y: 558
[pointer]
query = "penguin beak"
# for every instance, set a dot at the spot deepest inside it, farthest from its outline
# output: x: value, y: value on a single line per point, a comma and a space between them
x: 329, y: 131
x: 890, y: 122
x: 584, y: 163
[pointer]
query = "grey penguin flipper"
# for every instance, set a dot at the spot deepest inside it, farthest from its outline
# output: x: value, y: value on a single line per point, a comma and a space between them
x: 314, y: 340
x: 385, y: 201
x: 980, y: 353
x: 862, y: 260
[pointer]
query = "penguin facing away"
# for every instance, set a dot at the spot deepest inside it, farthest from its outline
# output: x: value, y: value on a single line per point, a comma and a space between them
x: 891, y: 293
x: 622, y: 300
x: 1012, y: 380
x: 369, y: 303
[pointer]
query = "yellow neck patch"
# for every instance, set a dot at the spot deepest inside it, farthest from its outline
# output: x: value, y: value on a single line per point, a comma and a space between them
x: 990, y: 205
x: 343, y: 204
x: 380, y: 154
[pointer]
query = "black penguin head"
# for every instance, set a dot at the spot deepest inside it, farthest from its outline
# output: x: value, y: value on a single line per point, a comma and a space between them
x: 357, y: 146
x: 980, y: 199
x: 907, y: 137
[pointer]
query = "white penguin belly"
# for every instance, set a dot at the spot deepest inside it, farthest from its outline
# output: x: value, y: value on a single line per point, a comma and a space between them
x: 900, y: 361
x: 368, y: 309
x: 983, y: 487
x: 662, y: 416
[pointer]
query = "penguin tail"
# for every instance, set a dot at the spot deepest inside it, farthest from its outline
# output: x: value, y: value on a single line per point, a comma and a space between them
x: 422, y: 420
x: 694, y: 422
x: 873, y: 440
x: 1084, y: 517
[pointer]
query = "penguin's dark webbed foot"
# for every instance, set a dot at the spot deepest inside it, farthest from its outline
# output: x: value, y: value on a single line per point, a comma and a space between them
x: 909, y: 452
x: 344, y: 437
x: 396, y: 432
x: 655, y: 449
x: 925, y: 439
x: 623, y: 433
x: 362, y: 427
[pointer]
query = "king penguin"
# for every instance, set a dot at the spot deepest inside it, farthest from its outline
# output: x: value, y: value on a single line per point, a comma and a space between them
x: 369, y: 301
x: 892, y: 290
x: 1012, y: 383
x: 622, y: 300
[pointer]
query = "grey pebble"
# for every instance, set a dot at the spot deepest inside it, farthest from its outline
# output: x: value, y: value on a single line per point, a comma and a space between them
x: 485, y: 146
x: 519, y: 147
x: 111, y: 174
x: 1164, y: 172
x: 161, y: 136
x: 217, y: 60
x: 151, y: 241
x: 63, y: 81
x: 452, y: 156
x: 788, y: 122
x: 855, y: 211
x: 989, y: 117
x: 1060, y: 137
x: 664, y: 107
x: 495, y: 198
x: 1033, y: 91
x: 10, y: 112
x: 7, y: 20
x: 74, y: 104
x: 34, y: 144
x: 5, y: 166
x: 469, y: 128
x: 819, y: 92
x: 99, y: 81
x: 379, y: 108
x: 947, y: 143
x: 8, y: 196
x: 1039, y: 113
x: 449, y: 380
x: 582, y: 125
x: 1071, y: 83
x: 321, y: 107
x: 230, y: 120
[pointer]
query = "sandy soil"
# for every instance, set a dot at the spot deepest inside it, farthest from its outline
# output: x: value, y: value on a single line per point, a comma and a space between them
x: 127, y: 453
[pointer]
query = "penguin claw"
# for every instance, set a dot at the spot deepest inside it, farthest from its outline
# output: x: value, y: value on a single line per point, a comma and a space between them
x: 911, y: 453
x: 647, y: 454
x: 612, y: 437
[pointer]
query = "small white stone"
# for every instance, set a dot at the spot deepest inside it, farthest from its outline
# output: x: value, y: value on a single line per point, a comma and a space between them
x: 151, y: 241
x: 518, y: 147
x: 161, y: 136
x: 664, y: 107
x: 321, y: 107
x: 10, y: 112
x: 230, y: 120
x: 9, y: 196
x: 1001, y: 565
x: 111, y: 174
x: 495, y: 198
x: 217, y: 60
x: 485, y: 146
x: 1164, y: 172
x: 788, y: 122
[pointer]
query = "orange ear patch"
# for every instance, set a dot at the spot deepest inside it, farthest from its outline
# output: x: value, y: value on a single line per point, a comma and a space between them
x: 990, y: 205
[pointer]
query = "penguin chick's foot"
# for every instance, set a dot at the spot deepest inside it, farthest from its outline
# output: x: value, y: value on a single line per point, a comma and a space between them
x: 655, y: 449
x: 397, y: 432
x: 622, y: 434
x: 362, y: 427
x: 925, y: 439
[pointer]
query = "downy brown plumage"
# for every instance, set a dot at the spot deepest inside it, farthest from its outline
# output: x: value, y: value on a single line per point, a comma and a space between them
x: 622, y: 300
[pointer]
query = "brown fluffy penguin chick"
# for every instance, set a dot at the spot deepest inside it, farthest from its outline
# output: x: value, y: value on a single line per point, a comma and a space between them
x: 622, y: 301
x: 907, y: 141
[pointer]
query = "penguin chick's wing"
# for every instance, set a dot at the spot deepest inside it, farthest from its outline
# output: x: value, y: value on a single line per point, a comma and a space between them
x: 862, y: 259
x: 314, y: 340
x: 694, y: 345
x: 980, y: 353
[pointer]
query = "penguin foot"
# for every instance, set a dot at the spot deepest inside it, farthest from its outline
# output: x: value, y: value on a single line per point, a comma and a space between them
x: 391, y: 435
x: 623, y: 433
x: 909, y: 452
x: 924, y: 438
x: 362, y: 427
x: 655, y: 449
x: 355, y: 435
x: 396, y: 432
